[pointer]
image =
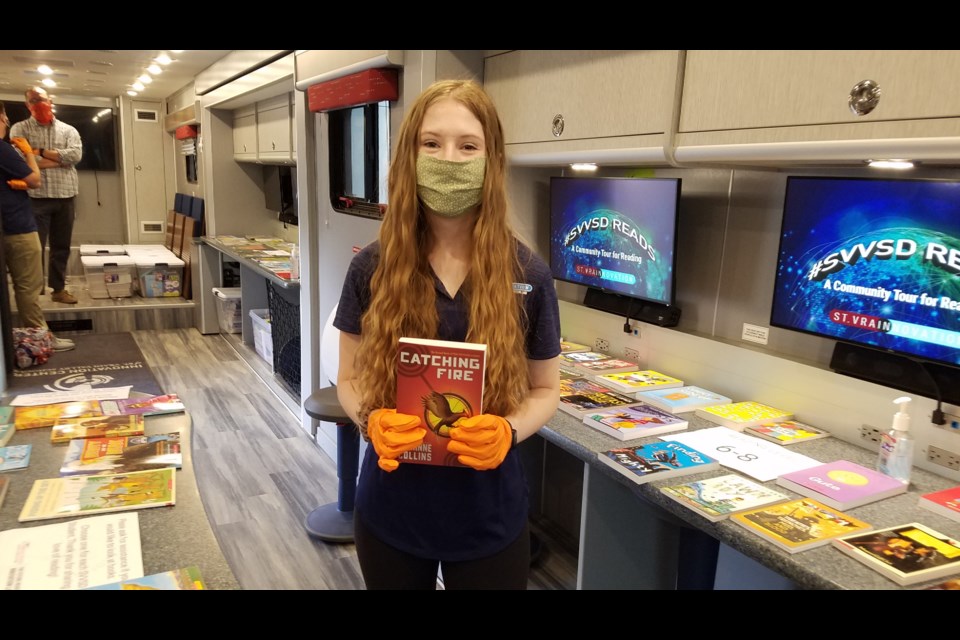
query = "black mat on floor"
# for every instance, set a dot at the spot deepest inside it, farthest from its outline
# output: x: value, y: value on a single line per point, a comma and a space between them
x: 100, y: 360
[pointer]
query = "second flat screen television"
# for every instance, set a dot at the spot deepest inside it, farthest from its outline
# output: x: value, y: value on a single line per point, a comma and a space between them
x: 616, y: 234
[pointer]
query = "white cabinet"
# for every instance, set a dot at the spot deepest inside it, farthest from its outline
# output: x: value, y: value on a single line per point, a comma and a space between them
x: 555, y: 101
x: 245, y: 134
x: 275, y: 130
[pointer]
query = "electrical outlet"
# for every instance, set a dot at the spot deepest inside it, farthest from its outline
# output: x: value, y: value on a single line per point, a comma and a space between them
x: 870, y: 434
x: 631, y: 354
x: 944, y: 458
x: 952, y: 424
x: 601, y: 345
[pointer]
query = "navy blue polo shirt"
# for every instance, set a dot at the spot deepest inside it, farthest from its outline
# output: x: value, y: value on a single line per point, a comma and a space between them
x: 17, y: 212
x: 450, y: 513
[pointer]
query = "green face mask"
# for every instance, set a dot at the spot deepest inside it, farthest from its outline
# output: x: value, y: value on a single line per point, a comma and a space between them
x: 450, y: 188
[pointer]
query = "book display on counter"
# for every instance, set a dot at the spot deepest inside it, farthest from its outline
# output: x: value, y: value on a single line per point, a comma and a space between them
x: 799, y: 525
x: 657, y: 461
x: 786, y: 432
x: 45, y: 415
x: 682, y: 399
x: 638, y: 421
x: 637, y: 381
x: 442, y: 382
x: 945, y: 502
x: 906, y: 553
x: 717, y: 498
x: 739, y: 415
x: 842, y: 484
x: 121, y: 454
x: 96, y: 427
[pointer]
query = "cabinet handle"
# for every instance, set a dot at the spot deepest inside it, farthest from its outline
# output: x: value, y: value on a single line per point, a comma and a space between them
x: 273, y: 145
x: 557, y: 127
x: 864, y: 97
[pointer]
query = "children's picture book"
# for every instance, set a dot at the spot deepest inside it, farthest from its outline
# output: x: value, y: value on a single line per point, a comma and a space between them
x: 612, y: 365
x: 636, y: 381
x: 579, y: 384
x: 185, y: 579
x: 759, y: 459
x: 739, y: 415
x: 575, y: 358
x: 842, y: 484
x: 657, y: 461
x: 717, y: 498
x: 786, y: 432
x: 88, y: 456
x: 567, y: 346
x: 946, y: 585
x: 154, y: 405
x: 682, y: 399
x: 45, y: 415
x: 442, y: 382
x: 6, y: 433
x: 907, y: 553
x: 638, y: 421
x: 96, y: 427
x: 81, y: 495
x: 945, y: 502
x: 15, y: 456
x: 798, y: 525
x: 579, y: 404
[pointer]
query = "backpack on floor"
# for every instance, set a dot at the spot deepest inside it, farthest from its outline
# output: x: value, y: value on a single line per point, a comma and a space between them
x: 32, y: 346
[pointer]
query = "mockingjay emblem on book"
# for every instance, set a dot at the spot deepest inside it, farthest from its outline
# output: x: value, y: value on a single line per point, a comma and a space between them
x: 442, y: 411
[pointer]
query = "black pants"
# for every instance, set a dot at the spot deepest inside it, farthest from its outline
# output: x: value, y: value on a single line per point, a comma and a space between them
x: 55, y: 221
x: 385, y: 567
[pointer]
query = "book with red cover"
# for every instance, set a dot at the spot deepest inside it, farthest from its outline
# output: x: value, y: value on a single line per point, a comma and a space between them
x: 842, y: 484
x: 945, y: 502
x: 441, y: 382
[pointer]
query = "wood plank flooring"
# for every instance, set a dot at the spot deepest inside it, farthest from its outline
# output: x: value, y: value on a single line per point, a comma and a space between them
x: 260, y: 473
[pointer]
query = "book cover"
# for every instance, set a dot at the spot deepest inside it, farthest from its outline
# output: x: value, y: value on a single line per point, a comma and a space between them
x: 45, y: 415
x: 72, y: 555
x: 636, y: 381
x: 4, y: 485
x: 842, y: 484
x: 185, y: 579
x: 15, y: 457
x: 575, y: 358
x: 657, y: 461
x: 6, y: 415
x: 945, y: 502
x: 907, y: 553
x: 799, y: 525
x: 579, y: 404
x: 6, y: 433
x: 155, y: 405
x: 578, y: 384
x: 611, y: 365
x: 567, y: 346
x: 786, y: 432
x: 82, y: 495
x: 946, y: 585
x: 96, y: 427
x: 682, y: 399
x: 121, y: 454
x: 638, y: 421
x: 442, y: 382
x: 739, y: 415
x: 717, y: 498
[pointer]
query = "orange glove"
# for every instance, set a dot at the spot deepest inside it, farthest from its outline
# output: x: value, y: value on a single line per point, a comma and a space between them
x: 481, y: 442
x: 393, y: 434
x: 17, y: 185
x: 23, y: 145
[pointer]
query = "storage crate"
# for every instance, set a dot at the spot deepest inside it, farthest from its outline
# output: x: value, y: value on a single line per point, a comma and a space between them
x: 102, y: 250
x: 109, y: 276
x: 228, y: 309
x: 160, y: 277
x: 262, y: 337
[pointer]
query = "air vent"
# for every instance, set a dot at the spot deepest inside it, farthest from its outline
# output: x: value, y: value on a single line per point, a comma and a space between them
x: 145, y: 115
x: 151, y: 227
x: 33, y: 62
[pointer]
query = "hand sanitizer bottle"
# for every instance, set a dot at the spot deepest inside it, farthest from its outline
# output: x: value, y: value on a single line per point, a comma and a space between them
x: 295, y: 262
x: 896, y: 447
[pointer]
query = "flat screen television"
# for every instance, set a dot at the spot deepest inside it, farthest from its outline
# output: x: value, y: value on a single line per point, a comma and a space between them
x: 97, y: 127
x: 280, y: 192
x: 616, y: 235
x: 872, y: 262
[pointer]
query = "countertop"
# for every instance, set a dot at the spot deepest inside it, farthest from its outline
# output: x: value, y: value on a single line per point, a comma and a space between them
x: 170, y: 537
x: 820, y: 568
x: 253, y: 254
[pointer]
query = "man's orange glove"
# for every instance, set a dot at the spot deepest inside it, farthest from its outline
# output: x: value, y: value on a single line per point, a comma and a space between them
x: 393, y: 434
x: 481, y: 442
x: 17, y: 185
x: 23, y: 145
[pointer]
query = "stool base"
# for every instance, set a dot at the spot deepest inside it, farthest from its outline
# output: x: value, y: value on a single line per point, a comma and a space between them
x: 329, y: 524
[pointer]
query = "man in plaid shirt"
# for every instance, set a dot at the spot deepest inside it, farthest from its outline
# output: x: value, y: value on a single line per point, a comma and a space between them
x: 58, y: 148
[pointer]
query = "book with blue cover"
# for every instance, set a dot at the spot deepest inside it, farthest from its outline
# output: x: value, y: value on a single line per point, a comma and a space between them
x: 682, y: 399
x: 657, y: 461
x: 15, y: 457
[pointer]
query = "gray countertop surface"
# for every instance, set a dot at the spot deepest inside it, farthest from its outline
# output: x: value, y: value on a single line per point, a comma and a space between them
x: 170, y: 537
x: 819, y: 568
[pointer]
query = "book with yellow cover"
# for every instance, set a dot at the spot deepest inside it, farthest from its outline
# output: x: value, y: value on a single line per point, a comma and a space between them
x: 632, y: 382
x: 46, y: 415
x: 96, y: 427
x: 799, y: 525
x: 739, y: 415
x: 185, y: 579
x: 907, y: 553
x: 81, y: 495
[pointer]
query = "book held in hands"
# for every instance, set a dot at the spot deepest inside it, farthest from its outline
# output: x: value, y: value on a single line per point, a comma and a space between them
x: 657, y: 461
x: 799, y: 525
x: 717, y: 498
x: 739, y: 415
x: 682, y: 399
x: 441, y: 382
x: 786, y: 432
x: 907, y: 553
x: 842, y: 484
x: 638, y: 421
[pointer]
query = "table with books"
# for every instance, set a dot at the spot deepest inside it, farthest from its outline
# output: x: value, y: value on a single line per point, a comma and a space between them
x: 633, y: 535
x: 170, y: 537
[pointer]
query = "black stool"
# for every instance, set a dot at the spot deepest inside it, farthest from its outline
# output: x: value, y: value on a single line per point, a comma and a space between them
x: 334, y: 522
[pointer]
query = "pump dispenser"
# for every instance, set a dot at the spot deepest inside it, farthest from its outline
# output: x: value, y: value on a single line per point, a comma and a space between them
x: 896, y: 447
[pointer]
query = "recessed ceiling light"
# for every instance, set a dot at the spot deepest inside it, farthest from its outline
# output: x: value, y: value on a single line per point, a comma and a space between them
x: 890, y: 164
x: 177, y: 50
x: 584, y: 166
x: 155, y: 69
x: 138, y: 86
x: 163, y: 59
x: 131, y: 93
x: 47, y: 82
x: 145, y: 79
x: 45, y: 70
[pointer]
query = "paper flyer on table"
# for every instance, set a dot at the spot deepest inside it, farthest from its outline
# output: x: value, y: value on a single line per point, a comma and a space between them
x: 82, y: 553
x: 54, y: 397
x: 755, y: 457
